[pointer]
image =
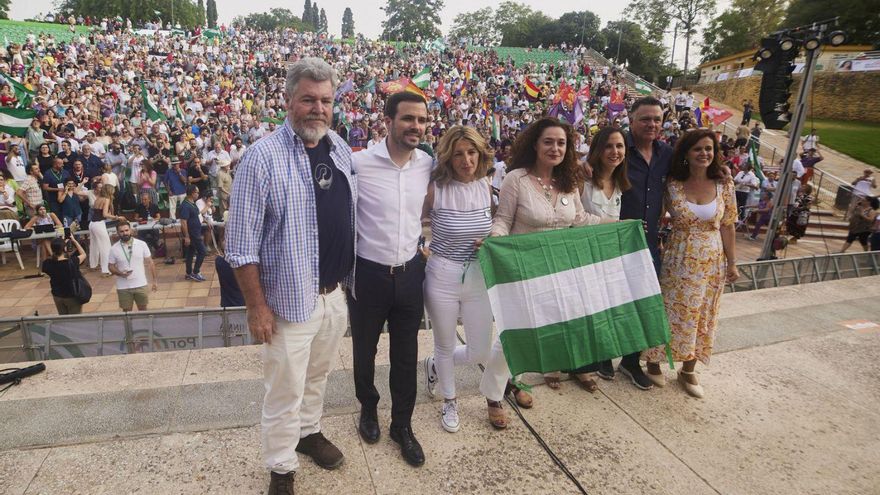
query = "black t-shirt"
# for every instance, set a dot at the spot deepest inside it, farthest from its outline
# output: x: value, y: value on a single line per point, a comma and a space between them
x: 61, y: 275
x: 333, y: 206
x: 145, y: 213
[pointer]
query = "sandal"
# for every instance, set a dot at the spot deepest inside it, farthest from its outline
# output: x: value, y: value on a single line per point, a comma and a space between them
x: 552, y: 381
x: 585, y: 381
x: 497, y: 416
x: 523, y: 398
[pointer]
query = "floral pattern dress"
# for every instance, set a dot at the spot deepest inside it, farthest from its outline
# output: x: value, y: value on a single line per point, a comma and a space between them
x: 693, y: 274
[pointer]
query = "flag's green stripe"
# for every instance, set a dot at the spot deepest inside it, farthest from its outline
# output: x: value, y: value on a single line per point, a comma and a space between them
x: 15, y: 131
x: 618, y: 331
x: 521, y: 257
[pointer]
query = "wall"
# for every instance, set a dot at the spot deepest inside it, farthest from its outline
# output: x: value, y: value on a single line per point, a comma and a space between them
x: 836, y: 95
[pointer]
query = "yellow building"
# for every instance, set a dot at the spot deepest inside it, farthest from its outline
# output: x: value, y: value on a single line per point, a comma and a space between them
x: 740, y: 64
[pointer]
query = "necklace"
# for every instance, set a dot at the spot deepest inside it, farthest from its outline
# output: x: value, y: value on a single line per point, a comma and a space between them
x: 546, y: 187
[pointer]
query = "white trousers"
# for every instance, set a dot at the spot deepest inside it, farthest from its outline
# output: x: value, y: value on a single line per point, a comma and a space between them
x: 99, y: 246
x: 173, y: 201
x: 295, y: 369
x: 453, y: 289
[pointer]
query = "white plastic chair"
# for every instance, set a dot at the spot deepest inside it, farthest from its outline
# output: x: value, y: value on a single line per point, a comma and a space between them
x: 9, y: 245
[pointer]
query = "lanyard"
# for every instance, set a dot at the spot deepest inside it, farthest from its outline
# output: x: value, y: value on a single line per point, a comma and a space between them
x: 128, y: 253
x: 57, y: 175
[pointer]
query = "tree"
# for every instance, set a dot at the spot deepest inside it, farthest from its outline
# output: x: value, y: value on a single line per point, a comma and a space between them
x: 4, y: 9
x: 211, y: 14
x: 658, y: 15
x: 322, y: 23
x: 276, y: 18
x: 186, y: 13
x: 347, y: 23
x: 411, y: 20
x: 315, y: 18
x: 741, y: 27
x: 477, y: 27
x: 641, y: 56
x: 307, y: 12
x: 575, y: 28
x: 520, y: 25
x: 858, y: 18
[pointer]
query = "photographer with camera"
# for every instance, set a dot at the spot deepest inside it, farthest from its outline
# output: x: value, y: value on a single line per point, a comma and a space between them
x: 63, y: 269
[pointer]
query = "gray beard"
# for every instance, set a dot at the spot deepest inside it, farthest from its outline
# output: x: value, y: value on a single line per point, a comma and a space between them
x: 310, y: 134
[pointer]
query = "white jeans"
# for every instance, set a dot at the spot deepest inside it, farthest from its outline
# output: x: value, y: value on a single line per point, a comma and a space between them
x: 447, y: 297
x: 173, y: 201
x: 295, y: 369
x: 99, y: 246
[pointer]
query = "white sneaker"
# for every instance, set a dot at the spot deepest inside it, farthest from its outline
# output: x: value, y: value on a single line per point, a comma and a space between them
x: 430, y: 376
x: 449, y: 416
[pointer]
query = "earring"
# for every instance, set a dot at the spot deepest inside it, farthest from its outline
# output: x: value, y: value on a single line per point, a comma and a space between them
x: 686, y: 164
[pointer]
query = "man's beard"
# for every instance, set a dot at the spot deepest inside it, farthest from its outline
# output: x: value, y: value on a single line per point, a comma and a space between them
x: 125, y: 238
x: 308, y: 133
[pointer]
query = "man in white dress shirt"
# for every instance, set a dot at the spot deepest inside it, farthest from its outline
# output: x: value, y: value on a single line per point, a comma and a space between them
x: 393, y: 179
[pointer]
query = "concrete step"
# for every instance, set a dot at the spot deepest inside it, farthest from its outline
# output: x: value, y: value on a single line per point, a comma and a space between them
x: 94, y: 399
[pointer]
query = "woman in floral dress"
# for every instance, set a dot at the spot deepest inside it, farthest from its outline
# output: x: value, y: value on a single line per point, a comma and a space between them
x: 699, y: 257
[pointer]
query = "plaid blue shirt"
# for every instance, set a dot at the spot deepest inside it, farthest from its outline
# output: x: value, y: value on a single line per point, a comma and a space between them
x: 273, y: 223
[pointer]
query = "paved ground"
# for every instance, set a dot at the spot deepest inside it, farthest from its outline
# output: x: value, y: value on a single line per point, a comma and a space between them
x: 786, y: 412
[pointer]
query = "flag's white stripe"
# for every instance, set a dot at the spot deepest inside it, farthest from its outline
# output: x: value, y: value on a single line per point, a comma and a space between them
x: 10, y: 121
x: 574, y: 293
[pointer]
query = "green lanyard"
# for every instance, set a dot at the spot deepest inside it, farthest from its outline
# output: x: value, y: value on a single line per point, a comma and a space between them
x: 127, y: 254
x: 57, y: 175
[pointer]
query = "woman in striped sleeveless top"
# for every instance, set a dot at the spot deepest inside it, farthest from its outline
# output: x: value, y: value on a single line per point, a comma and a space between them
x: 459, y: 206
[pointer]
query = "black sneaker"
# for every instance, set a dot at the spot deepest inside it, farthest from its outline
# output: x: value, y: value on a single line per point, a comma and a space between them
x: 606, y: 370
x: 638, y: 377
x: 281, y: 484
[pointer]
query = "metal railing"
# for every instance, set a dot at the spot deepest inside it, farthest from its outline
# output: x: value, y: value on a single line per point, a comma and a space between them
x: 794, y: 271
x: 628, y: 76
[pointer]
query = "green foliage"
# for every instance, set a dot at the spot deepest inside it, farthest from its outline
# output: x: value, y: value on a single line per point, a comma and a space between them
x: 642, y: 57
x: 315, y: 17
x: 658, y: 15
x: 477, y: 26
x: 4, y: 9
x: 411, y: 20
x: 322, y: 22
x: 276, y: 18
x: 859, y: 18
x: 347, y: 23
x: 574, y: 27
x: 307, y: 13
x: 186, y: 13
x: 741, y: 26
x: 519, y: 24
x: 211, y: 14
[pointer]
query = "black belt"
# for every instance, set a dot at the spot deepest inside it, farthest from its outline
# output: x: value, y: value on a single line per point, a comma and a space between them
x: 390, y: 269
x: 326, y: 290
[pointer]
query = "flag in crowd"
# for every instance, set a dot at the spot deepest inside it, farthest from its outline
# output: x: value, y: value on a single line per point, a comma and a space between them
x: 178, y: 110
x: 566, y: 298
x: 23, y: 96
x: 496, y: 126
x: 755, y: 161
x: 150, y: 110
x: 370, y: 87
x: 423, y: 79
x: 344, y: 88
x: 412, y: 88
x: 642, y: 88
x: 443, y: 95
x: 532, y: 91
x: 15, y: 121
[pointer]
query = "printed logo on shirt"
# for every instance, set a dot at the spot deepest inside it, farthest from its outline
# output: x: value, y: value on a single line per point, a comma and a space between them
x: 324, y: 176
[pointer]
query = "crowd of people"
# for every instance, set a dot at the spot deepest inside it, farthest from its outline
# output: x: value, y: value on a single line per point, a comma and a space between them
x: 324, y: 182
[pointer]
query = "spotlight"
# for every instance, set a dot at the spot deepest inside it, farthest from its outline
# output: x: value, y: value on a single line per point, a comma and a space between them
x: 836, y: 38
x: 765, y: 53
x: 786, y: 44
x: 812, y: 43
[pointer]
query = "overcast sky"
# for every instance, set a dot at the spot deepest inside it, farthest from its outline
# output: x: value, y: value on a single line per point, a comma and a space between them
x: 368, y: 16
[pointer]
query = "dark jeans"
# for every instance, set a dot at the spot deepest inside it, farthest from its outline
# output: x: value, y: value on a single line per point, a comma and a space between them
x: 395, y: 298
x: 196, y: 248
x: 741, y: 199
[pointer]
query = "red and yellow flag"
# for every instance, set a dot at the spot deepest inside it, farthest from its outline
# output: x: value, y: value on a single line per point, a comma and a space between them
x: 532, y: 91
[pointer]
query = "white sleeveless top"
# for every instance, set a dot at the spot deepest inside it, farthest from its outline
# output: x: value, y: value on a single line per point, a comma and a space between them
x: 460, y: 215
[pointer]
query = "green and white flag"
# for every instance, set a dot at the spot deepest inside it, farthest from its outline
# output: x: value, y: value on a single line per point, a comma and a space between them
x: 423, y: 78
x: 153, y: 114
x: 178, y: 110
x: 642, y: 87
x: 23, y: 96
x: 755, y: 161
x: 16, y: 121
x: 566, y: 298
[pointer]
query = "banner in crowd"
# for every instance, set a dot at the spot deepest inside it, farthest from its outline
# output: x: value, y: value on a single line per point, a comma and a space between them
x: 570, y: 297
x: 391, y: 87
x: 15, y: 121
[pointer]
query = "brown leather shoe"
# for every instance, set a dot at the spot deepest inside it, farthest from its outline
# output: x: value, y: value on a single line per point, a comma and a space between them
x: 324, y: 453
x: 281, y: 484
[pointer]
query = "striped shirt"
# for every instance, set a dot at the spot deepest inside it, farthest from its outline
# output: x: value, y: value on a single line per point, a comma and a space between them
x: 273, y: 222
x: 460, y: 215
